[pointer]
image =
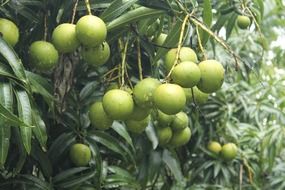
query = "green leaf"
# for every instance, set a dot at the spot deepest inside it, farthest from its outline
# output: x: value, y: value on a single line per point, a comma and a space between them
x: 116, y: 9
x: 14, y: 61
x: 35, y: 181
x: 207, y: 20
x: 6, y: 72
x: 60, y: 145
x: 88, y: 90
x: 66, y: 174
x: 230, y: 25
x: 113, y: 144
x: 98, y: 161
x: 75, y: 180
x: 41, y: 86
x: 42, y: 158
x: 25, y: 113
x: 40, y: 128
x: 11, y: 118
x: 173, y: 164
x: 133, y: 16
x: 170, y: 41
x: 150, y: 132
x: 121, y: 130
x: 6, y: 98
x: 261, y: 6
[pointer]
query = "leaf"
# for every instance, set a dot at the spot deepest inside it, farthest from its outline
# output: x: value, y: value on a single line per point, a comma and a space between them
x: 6, y: 72
x: 170, y: 41
x: 88, y: 90
x: 207, y: 20
x: 41, y: 86
x: 150, y: 132
x: 121, y: 130
x: 11, y: 118
x: 74, y: 180
x: 25, y: 113
x: 261, y: 6
x: 6, y: 99
x: 42, y: 158
x: 13, y: 60
x: 40, y: 128
x: 60, y: 145
x: 66, y: 174
x: 230, y: 25
x: 120, y: 178
x: 113, y: 144
x: 217, y: 168
x: 116, y: 181
x: 98, y: 161
x: 120, y: 171
x: 30, y: 181
x: 133, y: 16
x: 173, y: 164
x: 116, y: 9
x: 158, y: 4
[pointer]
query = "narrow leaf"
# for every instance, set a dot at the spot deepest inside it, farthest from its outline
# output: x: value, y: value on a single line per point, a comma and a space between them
x: 116, y: 9
x: 25, y: 113
x: 133, y: 16
x: 6, y: 98
x: 13, y: 60
x: 172, y: 164
x: 40, y: 128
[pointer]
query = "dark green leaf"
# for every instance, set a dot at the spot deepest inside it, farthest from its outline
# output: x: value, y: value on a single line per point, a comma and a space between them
x: 25, y: 113
x: 133, y: 16
x: 6, y: 99
x: 116, y: 9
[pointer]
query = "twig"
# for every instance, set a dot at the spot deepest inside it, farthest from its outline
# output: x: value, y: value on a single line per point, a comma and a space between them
x: 217, y: 38
x: 74, y: 11
x: 124, y: 55
x: 200, y: 44
x: 240, y: 176
x: 45, y: 27
x: 139, y: 58
x: 88, y: 7
x: 179, y: 45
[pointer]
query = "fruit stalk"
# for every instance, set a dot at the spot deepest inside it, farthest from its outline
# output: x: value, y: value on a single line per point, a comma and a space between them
x: 45, y: 27
x: 74, y: 12
x: 217, y: 38
x: 139, y: 58
x: 88, y: 7
x: 179, y: 45
x: 124, y: 55
x: 200, y: 44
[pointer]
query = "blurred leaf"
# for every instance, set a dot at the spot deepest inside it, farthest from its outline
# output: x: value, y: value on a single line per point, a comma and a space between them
x: 116, y: 9
x: 207, y: 20
x: 173, y: 164
x: 132, y: 16
x: 113, y: 144
x: 150, y: 132
x: 60, y: 145
x: 121, y: 130
x: 230, y: 25
x: 170, y: 41
x: 68, y: 173
x: 75, y: 180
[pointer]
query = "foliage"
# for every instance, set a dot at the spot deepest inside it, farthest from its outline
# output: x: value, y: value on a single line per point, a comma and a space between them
x: 43, y: 113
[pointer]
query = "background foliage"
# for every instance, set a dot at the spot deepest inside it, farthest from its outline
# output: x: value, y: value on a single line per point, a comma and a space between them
x: 42, y: 114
